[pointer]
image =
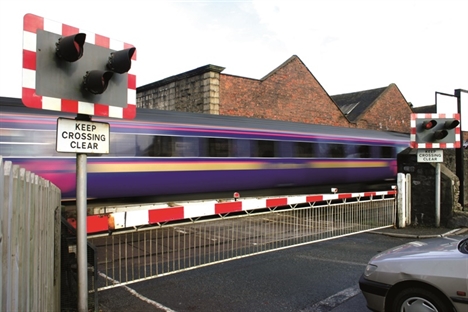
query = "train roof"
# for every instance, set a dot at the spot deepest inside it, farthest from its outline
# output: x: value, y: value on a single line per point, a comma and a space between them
x: 198, y: 119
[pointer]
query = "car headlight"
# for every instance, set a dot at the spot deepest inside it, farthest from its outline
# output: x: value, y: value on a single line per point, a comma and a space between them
x: 370, y: 268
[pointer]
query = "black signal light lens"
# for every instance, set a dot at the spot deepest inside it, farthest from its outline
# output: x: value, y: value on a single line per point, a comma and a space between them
x: 96, y: 81
x: 440, y: 134
x: 121, y: 61
x: 451, y: 124
x: 70, y: 48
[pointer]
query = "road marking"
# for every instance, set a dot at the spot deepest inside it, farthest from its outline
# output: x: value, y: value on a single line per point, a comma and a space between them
x: 333, y: 260
x: 333, y: 301
x: 138, y: 295
x: 323, y: 306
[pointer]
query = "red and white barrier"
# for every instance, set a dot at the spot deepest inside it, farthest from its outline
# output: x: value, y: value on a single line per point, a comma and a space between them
x: 111, y: 218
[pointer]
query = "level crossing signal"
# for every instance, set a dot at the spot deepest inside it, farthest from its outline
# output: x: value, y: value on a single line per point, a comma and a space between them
x: 435, y: 131
x: 72, y: 48
x: 66, y: 69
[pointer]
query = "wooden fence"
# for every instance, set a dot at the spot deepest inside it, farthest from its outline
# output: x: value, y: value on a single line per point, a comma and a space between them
x: 29, y: 241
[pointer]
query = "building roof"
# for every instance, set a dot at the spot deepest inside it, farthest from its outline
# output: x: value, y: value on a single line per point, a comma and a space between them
x: 429, y: 109
x: 194, y: 72
x: 353, y: 105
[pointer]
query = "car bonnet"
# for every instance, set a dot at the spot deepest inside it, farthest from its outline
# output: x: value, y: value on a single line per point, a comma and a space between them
x: 441, y: 247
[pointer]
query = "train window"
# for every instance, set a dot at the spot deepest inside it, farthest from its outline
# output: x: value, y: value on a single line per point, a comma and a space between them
x: 122, y: 145
x: 321, y: 149
x: 218, y: 147
x: 364, y: 151
x: 336, y: 151
x: 387, y: 152
x: 304, y: 149
x: 241, y: 148
x: 186, y: 147
x: 167, y: 146
x: 285, y: 149
x: 263, y: 148
x: 157, y: 146
x: 142, y: 144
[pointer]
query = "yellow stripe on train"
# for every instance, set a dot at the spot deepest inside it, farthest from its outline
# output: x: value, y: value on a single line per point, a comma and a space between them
x: 212, y: 166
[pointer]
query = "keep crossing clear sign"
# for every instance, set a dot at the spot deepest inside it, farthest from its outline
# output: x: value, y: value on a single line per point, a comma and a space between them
x: 430, y: 155
x: 78, y: 136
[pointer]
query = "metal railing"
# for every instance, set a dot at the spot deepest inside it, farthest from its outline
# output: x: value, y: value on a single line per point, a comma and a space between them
x: 132, y: 256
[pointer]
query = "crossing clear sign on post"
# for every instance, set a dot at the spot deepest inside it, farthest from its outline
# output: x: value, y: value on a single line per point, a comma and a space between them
x: 78, y: 136
x: 68, y: 70
x: 430, y: 155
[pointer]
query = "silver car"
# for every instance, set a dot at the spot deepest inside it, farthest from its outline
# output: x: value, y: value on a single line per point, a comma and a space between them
x: 427, y: 275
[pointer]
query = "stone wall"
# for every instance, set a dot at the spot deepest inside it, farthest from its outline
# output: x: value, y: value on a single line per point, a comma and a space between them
x: 423, y: 189
x: 195, y: 91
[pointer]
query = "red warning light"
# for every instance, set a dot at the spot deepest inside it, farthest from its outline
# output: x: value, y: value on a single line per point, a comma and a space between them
x: 429, y: 124
x: 70, y: 48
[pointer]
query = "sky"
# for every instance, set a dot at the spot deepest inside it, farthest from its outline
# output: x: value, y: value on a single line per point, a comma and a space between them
x: 348, y: 45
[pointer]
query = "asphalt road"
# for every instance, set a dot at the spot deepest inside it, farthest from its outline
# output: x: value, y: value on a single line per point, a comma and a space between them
x: 322, y: 276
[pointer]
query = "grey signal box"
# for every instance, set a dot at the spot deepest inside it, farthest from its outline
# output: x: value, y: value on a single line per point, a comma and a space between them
x: 435, y: 131
x: 58, y: 78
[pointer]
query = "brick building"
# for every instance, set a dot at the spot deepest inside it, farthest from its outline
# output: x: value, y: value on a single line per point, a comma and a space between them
x: 378, y: 109
x: 290, y: 92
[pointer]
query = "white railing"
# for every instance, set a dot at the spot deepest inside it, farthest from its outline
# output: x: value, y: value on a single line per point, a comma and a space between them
x: 29, y: 241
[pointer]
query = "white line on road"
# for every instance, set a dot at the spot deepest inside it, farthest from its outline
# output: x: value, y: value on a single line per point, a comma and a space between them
x: 334, y: 301
x: 333, y: 260
x: 139, y: 296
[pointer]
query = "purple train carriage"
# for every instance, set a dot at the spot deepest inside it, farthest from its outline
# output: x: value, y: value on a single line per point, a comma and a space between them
x: 170, y: 153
